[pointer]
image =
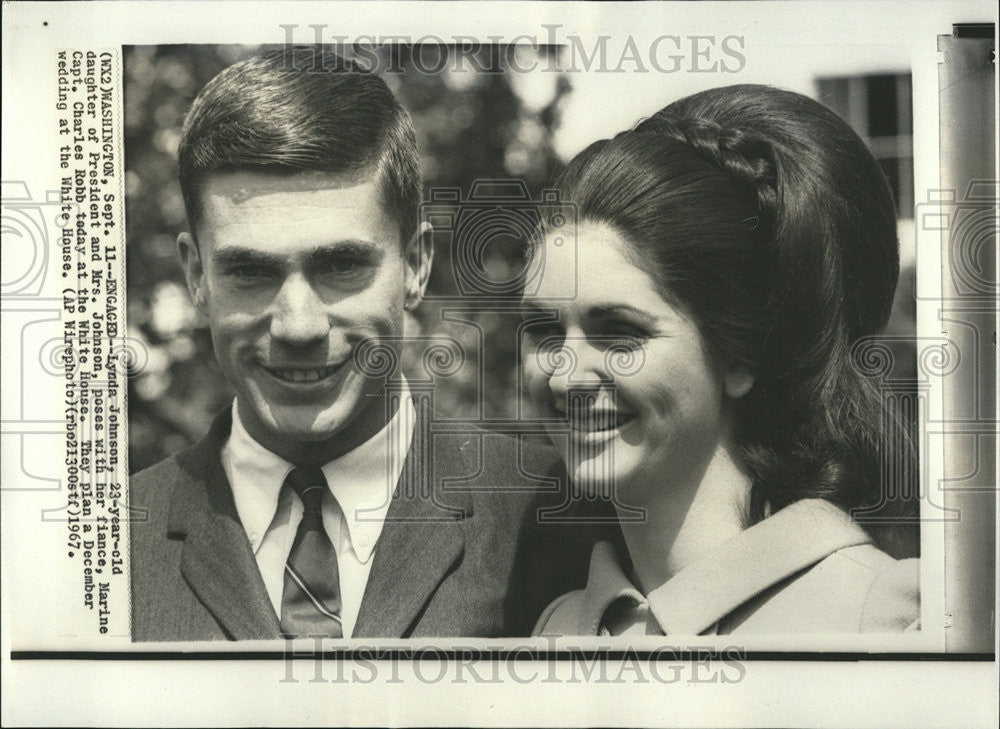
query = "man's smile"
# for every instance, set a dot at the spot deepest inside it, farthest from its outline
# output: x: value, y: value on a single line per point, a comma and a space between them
x: 303, y: 374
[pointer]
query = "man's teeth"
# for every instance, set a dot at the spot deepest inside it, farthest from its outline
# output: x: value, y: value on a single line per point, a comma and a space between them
x: 300, y: 375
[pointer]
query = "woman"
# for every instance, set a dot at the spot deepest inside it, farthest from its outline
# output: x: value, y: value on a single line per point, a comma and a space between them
x: 692, y: 353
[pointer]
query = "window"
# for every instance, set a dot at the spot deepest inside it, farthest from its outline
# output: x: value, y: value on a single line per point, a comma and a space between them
x: 880, y: 109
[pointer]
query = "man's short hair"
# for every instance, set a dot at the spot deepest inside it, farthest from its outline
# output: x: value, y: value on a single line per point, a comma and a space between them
x: 301, y: 109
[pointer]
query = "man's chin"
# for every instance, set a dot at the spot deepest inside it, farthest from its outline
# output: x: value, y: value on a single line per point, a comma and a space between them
x: 295, y: 424
x: 287, y: 428
x: 303, y: 430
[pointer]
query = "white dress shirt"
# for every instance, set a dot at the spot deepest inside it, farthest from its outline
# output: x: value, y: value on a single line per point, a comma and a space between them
x: 361, y: 484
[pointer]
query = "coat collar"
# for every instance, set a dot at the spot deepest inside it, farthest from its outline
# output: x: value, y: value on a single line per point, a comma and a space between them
x: 797, y: 537
x: 216, y: 559
x: 423, y: 537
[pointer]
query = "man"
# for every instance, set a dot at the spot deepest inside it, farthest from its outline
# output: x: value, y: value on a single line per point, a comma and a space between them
x: 317, y: 505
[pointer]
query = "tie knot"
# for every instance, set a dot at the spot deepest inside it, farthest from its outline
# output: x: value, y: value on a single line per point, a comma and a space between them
x: 309, y: 483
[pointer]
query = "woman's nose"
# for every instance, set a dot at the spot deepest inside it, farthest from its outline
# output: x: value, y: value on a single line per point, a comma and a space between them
x: 299, y: 315
x: 576, y: 366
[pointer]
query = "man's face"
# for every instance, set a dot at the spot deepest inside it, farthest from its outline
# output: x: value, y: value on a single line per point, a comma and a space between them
x: 294, y: 273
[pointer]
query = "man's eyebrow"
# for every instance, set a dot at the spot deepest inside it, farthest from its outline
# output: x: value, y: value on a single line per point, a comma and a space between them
x: 238, y: 256
x: 350, y: 247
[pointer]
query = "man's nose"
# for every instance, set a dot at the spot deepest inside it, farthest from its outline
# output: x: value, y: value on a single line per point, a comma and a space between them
x: 299, y: 315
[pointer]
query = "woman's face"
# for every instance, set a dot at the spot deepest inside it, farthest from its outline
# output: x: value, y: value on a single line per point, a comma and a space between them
x: 623, y: 378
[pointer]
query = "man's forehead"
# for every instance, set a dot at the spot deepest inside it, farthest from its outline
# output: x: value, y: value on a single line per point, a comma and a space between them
x: 242, y: 186
x: 302, y: 209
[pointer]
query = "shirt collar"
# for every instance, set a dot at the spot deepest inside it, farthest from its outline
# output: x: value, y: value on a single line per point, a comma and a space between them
x: 257, y: 475
x: 362, y: 480
x: 606, y: 582
x: 701, y: 594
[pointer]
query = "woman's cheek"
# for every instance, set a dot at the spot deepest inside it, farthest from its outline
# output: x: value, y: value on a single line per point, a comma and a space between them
x: 535, y: 381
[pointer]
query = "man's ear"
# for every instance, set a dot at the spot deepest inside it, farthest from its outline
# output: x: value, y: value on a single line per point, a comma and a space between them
x: 738, y: 381
x: 418, y: 257
x: 194, y: 271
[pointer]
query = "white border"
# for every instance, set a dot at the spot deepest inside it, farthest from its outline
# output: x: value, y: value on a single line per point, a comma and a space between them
x: 803, y: 693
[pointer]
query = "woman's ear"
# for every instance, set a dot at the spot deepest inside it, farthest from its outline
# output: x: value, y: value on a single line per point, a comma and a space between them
x: 738, y: 381
x: 419, y: 256
x: 194, y: 271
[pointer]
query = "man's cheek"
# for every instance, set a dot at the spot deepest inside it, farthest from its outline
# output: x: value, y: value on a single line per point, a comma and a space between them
x: 378, y: 322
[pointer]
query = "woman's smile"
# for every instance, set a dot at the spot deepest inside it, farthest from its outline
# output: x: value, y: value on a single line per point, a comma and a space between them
x: 598, y: 421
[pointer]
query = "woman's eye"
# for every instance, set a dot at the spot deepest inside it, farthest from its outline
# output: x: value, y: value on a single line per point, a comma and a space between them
x: 539, y: 328
x: 622, y: 335
x: 545, y: 333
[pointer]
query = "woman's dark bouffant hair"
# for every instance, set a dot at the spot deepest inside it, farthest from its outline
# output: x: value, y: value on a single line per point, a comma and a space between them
x: 765, y: 217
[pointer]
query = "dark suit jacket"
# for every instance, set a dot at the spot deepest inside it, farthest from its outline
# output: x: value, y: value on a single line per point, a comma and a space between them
x: 461, y: 553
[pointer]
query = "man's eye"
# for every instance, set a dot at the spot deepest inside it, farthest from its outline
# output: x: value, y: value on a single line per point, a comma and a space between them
x: 248, y: 272
x: 343, y: 266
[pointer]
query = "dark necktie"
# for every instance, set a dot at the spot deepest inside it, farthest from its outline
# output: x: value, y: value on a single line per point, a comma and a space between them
x: 310, y: 601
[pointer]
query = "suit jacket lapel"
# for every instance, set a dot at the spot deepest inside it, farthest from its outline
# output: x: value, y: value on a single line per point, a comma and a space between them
x: 423, y: 538
x: 216, y: 559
